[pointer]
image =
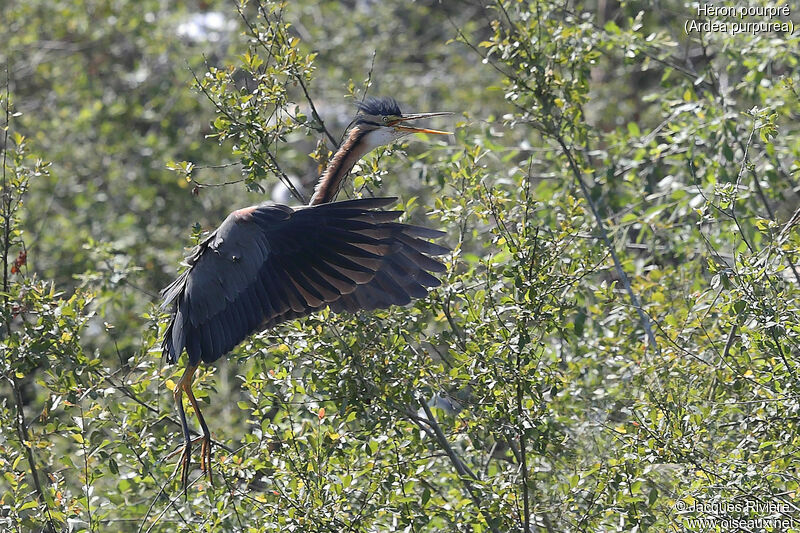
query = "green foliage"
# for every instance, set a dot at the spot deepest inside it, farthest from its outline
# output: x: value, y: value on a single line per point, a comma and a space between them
x: 615, y: 337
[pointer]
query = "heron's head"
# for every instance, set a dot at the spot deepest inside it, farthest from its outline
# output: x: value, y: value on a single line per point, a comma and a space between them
x: 384, y: 123
x: 378, y: 122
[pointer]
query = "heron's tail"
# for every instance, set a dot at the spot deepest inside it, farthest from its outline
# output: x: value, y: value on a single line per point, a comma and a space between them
x: 174, y: 338
x: 168, y: 346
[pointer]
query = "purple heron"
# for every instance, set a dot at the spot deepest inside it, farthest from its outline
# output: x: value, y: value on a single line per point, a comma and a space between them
x: 270, y: 263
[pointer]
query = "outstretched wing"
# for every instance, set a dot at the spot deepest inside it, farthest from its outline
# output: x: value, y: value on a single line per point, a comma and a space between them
x: 404, y: 273
x: 271, y: 263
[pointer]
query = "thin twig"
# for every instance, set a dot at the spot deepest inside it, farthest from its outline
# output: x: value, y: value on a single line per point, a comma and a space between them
x: 172, y: 502
x: 314, y: 112
x: 86, y: 469
x: 526, y: 524
x: 368, y: 81
x: 731, y: 338
x: 233, y: 498
x: 6, y: 202
x: 22, y: 426
x: 736, y: 189
x: 645, y: 320
x: 403, y: 487
x: 24, y: 438
x: 223, y: 184
x: 300, y: 81
x: 466, y: 475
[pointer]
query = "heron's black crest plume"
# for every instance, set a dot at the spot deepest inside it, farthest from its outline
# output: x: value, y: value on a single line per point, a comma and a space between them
x: 379, y: 107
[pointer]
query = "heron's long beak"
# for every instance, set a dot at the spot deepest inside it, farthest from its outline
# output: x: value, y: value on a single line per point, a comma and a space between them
x: 416, y: 116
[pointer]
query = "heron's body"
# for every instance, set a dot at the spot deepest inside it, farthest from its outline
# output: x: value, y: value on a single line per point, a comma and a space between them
x: 270, y: 263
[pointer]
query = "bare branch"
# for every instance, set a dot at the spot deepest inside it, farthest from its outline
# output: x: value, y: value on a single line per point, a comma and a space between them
x: 465, y: 474
x: 274, y: 166
x: 300, y: 81
x: 24, y: 439
x: 643, y: 317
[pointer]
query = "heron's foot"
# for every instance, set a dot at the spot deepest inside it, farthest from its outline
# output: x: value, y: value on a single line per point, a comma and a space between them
x: 186, y: 461
x: 181, y: 450
x: 205, y: 457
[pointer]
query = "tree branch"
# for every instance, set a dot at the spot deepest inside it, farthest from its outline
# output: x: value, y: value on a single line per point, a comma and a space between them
x: 645, y: 320
x: 526, y: 523
x: 6, y: 200
x: 22, y: 426
x: 275, y: 167
x: 24, y: 439
x: 434, y: 430
x: 257, y: 36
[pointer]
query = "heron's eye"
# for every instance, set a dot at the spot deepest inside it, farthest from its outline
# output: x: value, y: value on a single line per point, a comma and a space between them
x: 385, y: 120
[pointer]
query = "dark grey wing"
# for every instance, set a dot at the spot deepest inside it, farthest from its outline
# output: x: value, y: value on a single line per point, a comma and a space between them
x: 271, y: 263
x: 216, y: 276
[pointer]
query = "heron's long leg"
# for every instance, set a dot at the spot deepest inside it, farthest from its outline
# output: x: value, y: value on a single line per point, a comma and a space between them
x: 186, y: 458
x: 205, y: 448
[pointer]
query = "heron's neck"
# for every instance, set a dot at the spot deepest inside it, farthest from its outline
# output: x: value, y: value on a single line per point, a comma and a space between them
x: 354, y: 148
